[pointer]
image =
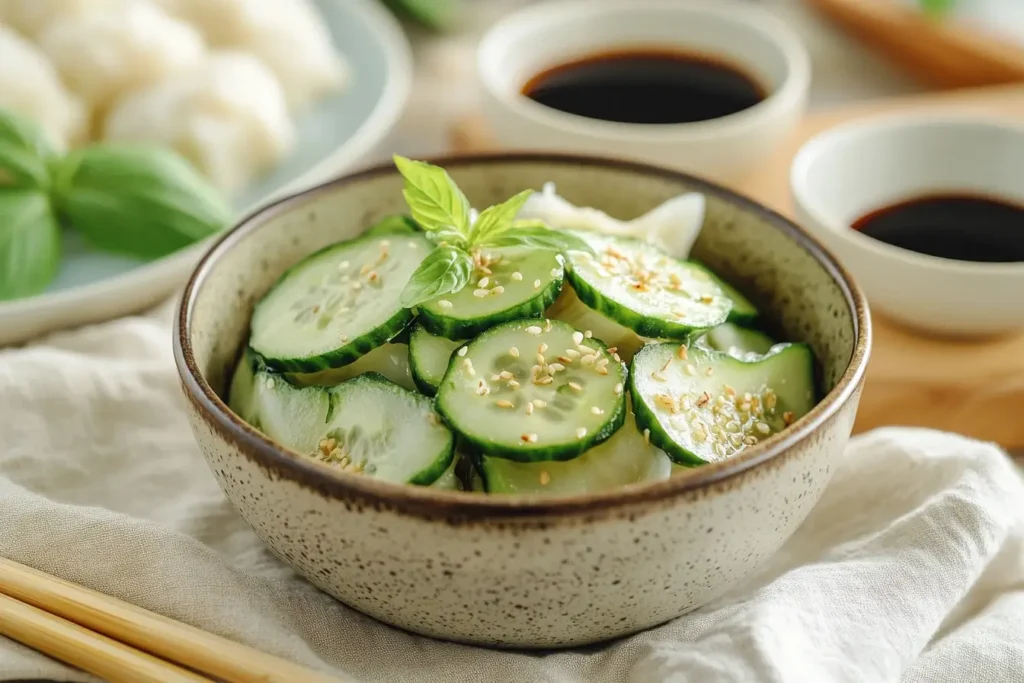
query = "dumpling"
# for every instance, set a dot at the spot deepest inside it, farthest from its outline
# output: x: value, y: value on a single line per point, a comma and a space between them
x: 290, y: 37
x: 31, y: 17
x: 30, y: 86
x: 101, y: 55
x: 228, y: 116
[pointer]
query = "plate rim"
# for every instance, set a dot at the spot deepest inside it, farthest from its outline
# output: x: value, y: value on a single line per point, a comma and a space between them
x: 171, y: 271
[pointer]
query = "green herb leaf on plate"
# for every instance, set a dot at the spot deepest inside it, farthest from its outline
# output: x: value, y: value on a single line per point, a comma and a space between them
x: 138, y: 200
x: 29, y: 242
x: 539, y: 237
x: 497, y: 219
x: 25, y: 152
x: 434, y: 199
x: 443, y: 271
x: 393, y: 225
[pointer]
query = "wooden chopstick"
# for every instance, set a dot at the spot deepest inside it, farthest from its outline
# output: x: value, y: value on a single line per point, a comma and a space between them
x: 84, y: 649
x: 206, y: 653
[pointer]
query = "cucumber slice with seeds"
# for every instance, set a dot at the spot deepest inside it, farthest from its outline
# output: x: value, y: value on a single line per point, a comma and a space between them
x: 389, y: 360
x: 367, y: 425
x: 640, y: 287
x: 336, y: 305
x: 623, y: 459
x: 242, y: 393
x: 702, y: 406
x: 428, y: 357
x: 568, y: 308
x: 533, y: 390
x: 506, y: 284
x: 743, y: 311
x: 449, y: 480
x: 739, y: 342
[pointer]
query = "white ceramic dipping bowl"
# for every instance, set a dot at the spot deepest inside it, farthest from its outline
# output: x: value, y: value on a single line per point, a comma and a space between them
x: 854, y: 169
x: 739, y: 33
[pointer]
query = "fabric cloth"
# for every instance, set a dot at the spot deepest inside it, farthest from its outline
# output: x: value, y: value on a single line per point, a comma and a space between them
x: 911, y: 568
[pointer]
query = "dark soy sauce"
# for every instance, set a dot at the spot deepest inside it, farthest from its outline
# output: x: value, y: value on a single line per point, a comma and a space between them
x: 960, y: 227
x: 646, y: 86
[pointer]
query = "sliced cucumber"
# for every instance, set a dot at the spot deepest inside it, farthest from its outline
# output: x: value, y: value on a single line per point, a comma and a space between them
x: 242, y: 394
x: 621, y: 460
x: 336, y: 305
x: 450, y: 479
x: 366, y: 425
x: 389, y: 360
x: 507, y: 284
x: 739, y: 342
x: 743, y: 311
x: 568, y: 308
x: 429, y: 356
x: 398, y: 224
x: 709, y: 406
x: 504, y: 402
x: 639, y: 286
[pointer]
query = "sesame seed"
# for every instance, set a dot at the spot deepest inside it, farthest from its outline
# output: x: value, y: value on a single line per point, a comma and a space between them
x: 577, y: 338
x: 542, y: 348
x: 763, y: 428
x: 373, y: 276
x: 750, y: 440
x: 480, y: 293
x: 707, y: 299
x: 588, y: 334
x: 544, y: 380
x: 596, y: 411
x: 539, y: 403
x: 602, y: 363
x: 514, y: 352
x: 505, y: 374
x: 576, y: 387
x: 556, y: 367
x: 788, y: 418
x: 444, y: 303
x: 588, y: 359
x: 709, y: 371
x: 270, y: 383
x: 565, y: 359
x: 555, y: 272
x: 357, y: 285
x: 468, y: 364
x: 618, y: 389
x: 690, y: 370
x: 681, y: 352
x: 513, y: 384
x: 544, y: 478
x: 540, y: 359
x: 536, y: 284
x: 647, y: 437
x: 498, y: 290
x: 602, y: 371
x: 517, y: 276
x: 462, y: 351
x: 504, y: 404
x: 581, y: 432
x: 729, y: 391
x: 700, y: 436
x: 529, y: 438
x: 704, y: 399
x: 482, y: 389
x: 484, y: 281
x: 659, y: 377
x: 529, y: 408
x: 533, y: 329
x: 572, y: 353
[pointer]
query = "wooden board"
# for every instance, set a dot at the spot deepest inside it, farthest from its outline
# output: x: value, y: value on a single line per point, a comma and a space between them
x: 974, y: 388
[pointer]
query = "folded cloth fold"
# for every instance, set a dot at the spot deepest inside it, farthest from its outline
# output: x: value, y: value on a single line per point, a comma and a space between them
x: 911, y: 568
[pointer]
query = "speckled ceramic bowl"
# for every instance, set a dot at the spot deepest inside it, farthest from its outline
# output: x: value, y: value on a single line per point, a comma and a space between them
x: 517, y: 571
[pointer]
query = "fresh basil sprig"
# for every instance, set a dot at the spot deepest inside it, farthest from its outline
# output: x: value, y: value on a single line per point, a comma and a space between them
x: 29, y: 242
x: 25, y: 152
x: 442, y: 210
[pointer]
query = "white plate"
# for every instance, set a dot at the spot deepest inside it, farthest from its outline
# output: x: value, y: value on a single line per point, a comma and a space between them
x: 338, y: 133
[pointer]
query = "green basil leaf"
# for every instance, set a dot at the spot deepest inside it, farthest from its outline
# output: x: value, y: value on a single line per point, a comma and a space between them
x: 394, y: 225
x: 435, y: 14
x: 539, y: 237
x: 29, y: 242
x: 434, y: 199
x: 25, y: 152
x: 443, y: 271
x: 497, y: 218
x: 142, y: 201
x: 448, y: 237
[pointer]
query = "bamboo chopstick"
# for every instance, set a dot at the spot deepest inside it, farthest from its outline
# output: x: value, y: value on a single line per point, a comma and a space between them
x: 81, y: 648
x: 174, y: 641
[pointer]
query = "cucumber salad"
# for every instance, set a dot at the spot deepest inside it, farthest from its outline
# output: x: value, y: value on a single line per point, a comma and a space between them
x: 533, y: 347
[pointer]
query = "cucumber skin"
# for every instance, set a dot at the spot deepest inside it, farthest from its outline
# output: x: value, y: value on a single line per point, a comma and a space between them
x: 743, y: 311
x: 455, y: 329
x: 641, y: 325
x: 351, y: 351
x: 473, y: 446
x: 645, y: 418
x: 425, y: 387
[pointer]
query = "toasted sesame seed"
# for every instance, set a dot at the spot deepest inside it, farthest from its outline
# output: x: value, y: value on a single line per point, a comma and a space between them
x: 588, y: 359
x: 513, y: 384
x: 647, y: 437
x: 482, y: 389
x: 536, y: 284
x: 529, y: 438
x: 517, y: 276
x: 709, y: 371
x: 581, y: 432
x: 750, y: 440
x: 373, y: 276
x: 618, y: 389
x: 483, y: 282
x: 541, y: 360
x: 542, y: 348
x: 602, y: 371
x: 505, y: 374
x: 544, y: 478
x: 565, y: 359
x: 588, y: 334
x: 533, y: 329
x: 577, y: 338
x: 788, y: 418
x: 480, y: 293
x: 704, y: 399
x: 596, y: 411
x: 462, y: 352
x: 690, y: 370
x: 729, y: 391
x: 504, y: 404
x: 556, y: 367
x: 529, y: 408
x: 576, y: 387
x: 555, y: 272
x: 498, y: 290
x: 572, y: 353
x: 681, y: 352
x: 763, y: 428
x: 514, y: 352
x: 544, y: 380
x: 707, y: 299
x: 444, y: 303
x: 357, y: 285
x: 658, y: 376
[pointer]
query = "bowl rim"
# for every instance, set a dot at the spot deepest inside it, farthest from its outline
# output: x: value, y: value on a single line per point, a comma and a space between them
x: 461, y: 506
x: 866, y: 131
x: 753, y: 19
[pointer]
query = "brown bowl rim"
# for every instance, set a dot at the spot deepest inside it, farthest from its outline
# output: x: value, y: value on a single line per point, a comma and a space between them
x: 430, y: 503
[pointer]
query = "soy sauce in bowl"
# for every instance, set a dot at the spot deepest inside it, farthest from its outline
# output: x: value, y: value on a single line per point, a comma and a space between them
x: 954, y: 226
x: 646, y: 87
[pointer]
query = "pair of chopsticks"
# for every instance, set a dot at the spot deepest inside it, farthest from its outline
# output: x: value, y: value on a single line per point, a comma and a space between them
x: 117, y: 641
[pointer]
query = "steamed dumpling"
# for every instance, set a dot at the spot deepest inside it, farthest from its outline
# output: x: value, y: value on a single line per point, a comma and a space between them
x: 30, y: 86
x: 289, y: 36
x: 228, y: 116
x: 32, y: 17
x: 103, y: 54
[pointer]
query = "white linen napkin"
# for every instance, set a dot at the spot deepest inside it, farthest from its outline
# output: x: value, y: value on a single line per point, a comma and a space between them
x: 911, y: 568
